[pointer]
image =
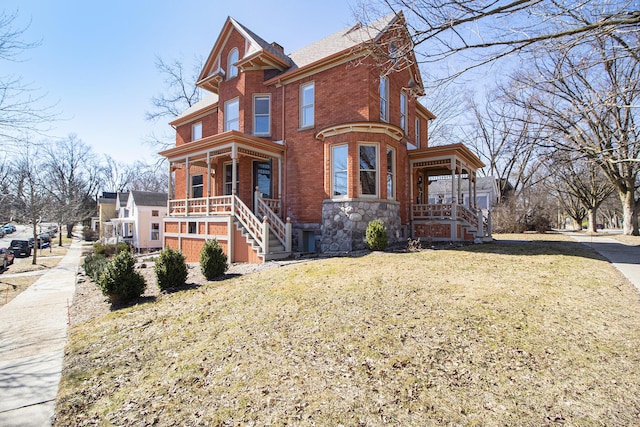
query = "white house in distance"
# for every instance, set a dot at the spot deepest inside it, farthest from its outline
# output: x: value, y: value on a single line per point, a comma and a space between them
x: 139, y: 220
x: 486, y: 192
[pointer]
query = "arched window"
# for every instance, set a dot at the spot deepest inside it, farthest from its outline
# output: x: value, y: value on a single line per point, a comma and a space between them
x: 232, y: 70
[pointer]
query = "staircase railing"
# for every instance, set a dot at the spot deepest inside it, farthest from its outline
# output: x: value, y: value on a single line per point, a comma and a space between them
x: 268, y: 208
x: 250, y: 222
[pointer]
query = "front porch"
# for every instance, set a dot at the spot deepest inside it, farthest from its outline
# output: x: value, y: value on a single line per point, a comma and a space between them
x: 228, y: 187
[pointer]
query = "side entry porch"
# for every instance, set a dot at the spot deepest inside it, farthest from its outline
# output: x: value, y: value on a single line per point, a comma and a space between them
x: 227, y: 187
x: 448, y: 216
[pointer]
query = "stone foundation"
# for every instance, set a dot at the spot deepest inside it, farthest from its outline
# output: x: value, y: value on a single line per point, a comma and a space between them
x: 344, y: 223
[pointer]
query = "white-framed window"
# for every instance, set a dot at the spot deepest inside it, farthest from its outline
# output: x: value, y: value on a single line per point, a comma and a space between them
x: 155, y: 212
x: 228, y: 179
x: 232, y: 70
x: 391, y: 173
x: 232, y: 115
x: 262, y: 114
x: 155, y: 231
x: 339, y: 171
x: 403, y: 112
x: 384, y: 99
x: 197, y: 186
x: 417, y: 132
x: 368, y: 165
x: 307, y: 104
x: 196, y: 131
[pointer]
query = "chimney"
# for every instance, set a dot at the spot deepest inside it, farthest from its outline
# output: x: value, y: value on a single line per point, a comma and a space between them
x: 278, y: 47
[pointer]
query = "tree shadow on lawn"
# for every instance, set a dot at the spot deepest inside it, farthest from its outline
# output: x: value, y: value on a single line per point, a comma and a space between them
x: 541, y: 246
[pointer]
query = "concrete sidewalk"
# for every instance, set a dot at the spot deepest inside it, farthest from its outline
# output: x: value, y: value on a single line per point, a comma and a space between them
x: 625, y: 258
x: 33, y: 334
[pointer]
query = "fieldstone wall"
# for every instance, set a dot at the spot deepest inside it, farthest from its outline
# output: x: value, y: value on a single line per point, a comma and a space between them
x: 344, y: 223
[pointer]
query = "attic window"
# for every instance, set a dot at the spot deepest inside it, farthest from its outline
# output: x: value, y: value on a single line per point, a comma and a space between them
x: 232, y: 69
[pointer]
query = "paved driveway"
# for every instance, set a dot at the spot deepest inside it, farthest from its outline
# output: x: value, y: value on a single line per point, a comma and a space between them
x: 33, y: 334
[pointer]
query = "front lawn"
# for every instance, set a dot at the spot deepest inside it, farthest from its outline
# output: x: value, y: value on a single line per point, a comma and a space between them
x: 532, y: 333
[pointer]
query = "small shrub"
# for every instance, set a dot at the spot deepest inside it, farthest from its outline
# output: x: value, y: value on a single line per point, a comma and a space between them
x: 89, y: 235
x: 93, y: 265
x: 99, y: 248
x: 376, y: 235
x: 119, y: 280
x: 213, y: 261
x: 170, y: 269
x: 110, y: 249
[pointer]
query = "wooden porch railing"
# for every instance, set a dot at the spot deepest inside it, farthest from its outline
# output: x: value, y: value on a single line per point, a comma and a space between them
x: 270, y: 209
x: 445, y: 211
x: 267, y: 209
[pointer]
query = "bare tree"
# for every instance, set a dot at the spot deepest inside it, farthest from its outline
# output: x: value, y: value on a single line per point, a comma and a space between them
x: 31, y: 198
x: 73, y: 178
x: 121, y: 177
x: 21, y: 106
x: 589, y: 95
x: 487, y: 30
x: 180, y: 93
x: 578, y: 180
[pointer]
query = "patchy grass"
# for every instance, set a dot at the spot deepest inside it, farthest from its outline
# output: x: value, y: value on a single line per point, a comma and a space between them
x: 541, y: 332
x: 12, y: 287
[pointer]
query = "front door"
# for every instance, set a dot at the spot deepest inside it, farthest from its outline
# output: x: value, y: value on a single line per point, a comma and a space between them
x: 262, y: 178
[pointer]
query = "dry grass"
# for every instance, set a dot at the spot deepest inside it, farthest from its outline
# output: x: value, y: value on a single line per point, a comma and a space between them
x: 533, y: 333
x: 12, y: 287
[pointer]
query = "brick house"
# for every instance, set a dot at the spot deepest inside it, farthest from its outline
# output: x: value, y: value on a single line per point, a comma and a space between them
x: 298, y: 152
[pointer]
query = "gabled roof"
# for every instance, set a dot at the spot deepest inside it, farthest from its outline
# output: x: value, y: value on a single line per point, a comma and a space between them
x: 258, y: 54
x: 345, y: 39
x: 208, y: 101
x: 122, y: 199
x: 149, y: 198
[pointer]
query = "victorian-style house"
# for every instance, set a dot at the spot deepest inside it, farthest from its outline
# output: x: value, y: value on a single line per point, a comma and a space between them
x: 298, y: 152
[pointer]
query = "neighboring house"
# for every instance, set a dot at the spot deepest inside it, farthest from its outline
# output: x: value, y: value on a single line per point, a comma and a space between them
x: 139, y: 221
x: 486, y: 192
x: 106, y: 211
x: 329, y: 138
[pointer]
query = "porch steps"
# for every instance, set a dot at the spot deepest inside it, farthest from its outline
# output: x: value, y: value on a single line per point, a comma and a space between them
x: 276, y: 249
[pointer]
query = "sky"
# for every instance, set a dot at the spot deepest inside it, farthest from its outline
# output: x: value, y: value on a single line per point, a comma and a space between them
x: 95, y: 59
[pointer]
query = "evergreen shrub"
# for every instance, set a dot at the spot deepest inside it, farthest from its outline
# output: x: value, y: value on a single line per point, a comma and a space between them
x: 170, y: 269
x: 213, y: 261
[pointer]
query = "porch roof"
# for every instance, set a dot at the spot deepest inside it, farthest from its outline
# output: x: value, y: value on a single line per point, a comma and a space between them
x: 435, y: 157
x: 226, y: 143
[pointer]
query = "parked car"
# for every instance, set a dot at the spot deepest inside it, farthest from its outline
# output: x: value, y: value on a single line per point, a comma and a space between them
x: 2, y: 232
x: 20, y: 248
x: 9, y: 228
x: 42, y: 243
x: 6, y: 257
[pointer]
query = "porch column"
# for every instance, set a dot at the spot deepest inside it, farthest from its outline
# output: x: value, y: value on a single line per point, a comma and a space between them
x: 454, y: 214
x: 208, y: 182
x: 475, y: 191
x: 472, y: 196
x: 280, y: 195
x: 169, y: 191
x: 187, y: 192
x: 234, y: 167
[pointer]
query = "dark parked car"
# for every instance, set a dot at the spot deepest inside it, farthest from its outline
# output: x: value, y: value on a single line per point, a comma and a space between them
x: 6, y: 257
x: 20, y: 248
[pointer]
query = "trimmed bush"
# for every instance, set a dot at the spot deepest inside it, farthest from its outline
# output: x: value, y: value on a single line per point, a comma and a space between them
x: 94, y: 264
x: 376, y: 235
x: 170, y: 269
x: 213, y: 261
x: 119, y: 280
